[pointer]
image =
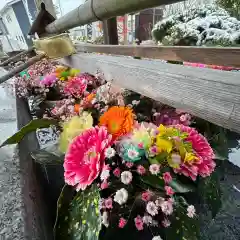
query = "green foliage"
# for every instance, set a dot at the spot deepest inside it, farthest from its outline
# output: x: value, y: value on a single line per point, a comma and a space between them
x: 180, y: 187
x: 182, y: 227
x: 153, y: 181
x: 30, y: 127
x: 210, y: 193
x: 232, y: 6
x: 158, y: 184
x: 81, y: 218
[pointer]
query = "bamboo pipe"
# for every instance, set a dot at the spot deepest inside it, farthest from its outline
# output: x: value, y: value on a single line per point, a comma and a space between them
x: 22, y: 67
x: 95, y: 10
x: 16, y: 57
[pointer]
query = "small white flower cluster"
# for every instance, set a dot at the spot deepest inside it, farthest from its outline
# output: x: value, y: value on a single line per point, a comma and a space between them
x: 121, y: 196
x: 126, y: 177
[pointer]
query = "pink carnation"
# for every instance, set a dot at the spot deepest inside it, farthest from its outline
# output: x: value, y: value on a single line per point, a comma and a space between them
x: 146, y: 196
x: 117, y: 172
x: 169, y: 190
x: 108, y: 203
x: 104, y: 185
x: 76, y: 87
x: 84, y: 160
x: 141, y: 170
x: 49, y: 80
x: 167, y: 177
x: 122, y: 223
x: 138, y: 223
x: 205, y: 164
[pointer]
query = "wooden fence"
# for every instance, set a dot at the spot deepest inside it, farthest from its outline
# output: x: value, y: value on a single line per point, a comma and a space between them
x: 206, y: 93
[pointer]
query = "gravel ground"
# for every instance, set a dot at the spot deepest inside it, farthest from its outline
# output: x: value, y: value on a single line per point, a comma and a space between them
x: 11, y: 204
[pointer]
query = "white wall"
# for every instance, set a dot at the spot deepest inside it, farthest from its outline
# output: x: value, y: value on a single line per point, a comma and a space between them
x: 15, y: 33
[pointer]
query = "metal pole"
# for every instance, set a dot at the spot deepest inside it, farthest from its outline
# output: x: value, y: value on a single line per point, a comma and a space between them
x: 94, y: 10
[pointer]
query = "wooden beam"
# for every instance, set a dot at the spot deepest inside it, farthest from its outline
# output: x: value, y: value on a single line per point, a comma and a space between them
x: 22, y: 67
x: 206, y: 93
x: 17, y: 57
x: 207, y: 55
x: 95, y: 10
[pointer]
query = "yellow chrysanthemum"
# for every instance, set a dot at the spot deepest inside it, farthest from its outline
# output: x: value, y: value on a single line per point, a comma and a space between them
x: 190, y: 157
x: 166, y: 131
x: 74, y: 72
x: 163, y: 145
x: 75, y: 126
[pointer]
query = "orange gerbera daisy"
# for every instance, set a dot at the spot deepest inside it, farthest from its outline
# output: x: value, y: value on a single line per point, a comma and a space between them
x: 90, y: 97
x: 76, y: 108
x: 118, y: 120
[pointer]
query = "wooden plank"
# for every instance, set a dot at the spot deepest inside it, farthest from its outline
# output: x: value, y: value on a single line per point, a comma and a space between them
x: 17, y: 57
x: 206, y: 93
x: 207, y: 55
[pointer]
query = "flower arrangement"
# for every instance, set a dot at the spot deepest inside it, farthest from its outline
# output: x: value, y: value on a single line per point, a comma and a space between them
x: 129, y: 160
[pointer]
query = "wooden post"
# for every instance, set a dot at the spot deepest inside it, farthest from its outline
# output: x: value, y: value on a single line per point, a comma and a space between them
x: 110, y: 33
x: 125, y: 29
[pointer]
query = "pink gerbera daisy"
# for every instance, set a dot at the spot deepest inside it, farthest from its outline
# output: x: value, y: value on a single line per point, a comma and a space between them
x: 84, y: 160
x: 204, y: 164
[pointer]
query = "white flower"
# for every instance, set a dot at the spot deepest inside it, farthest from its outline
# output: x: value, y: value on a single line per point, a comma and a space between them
x: 135, y: 102
x: 191, y: 212
x: 159, y: 201
x: 132, y: 153
x: 167, y: 207
x: 105, y: 175
x: 152, y: 208
x: 154, y: 169
x: 110, y: 152
x: 147, y: 219
x: 157, y: 238
x: 166, y: 223
x: 121, y: 196
x: 105, y: 219
x: 126, y: 177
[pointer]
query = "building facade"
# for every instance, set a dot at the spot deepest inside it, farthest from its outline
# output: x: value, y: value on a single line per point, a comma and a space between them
x: 15, y: 21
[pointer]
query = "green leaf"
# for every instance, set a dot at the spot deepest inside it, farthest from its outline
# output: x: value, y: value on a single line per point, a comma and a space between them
x: 209, y: 191
x: 160, y: 158
x: 82, y: 219
x: 48, y: 156
x: 180, y: 187
x: 153, y: 181
x: 63, y: 205
x: 182, y: 227
x: 219, y: 156
x: 30, y: 127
